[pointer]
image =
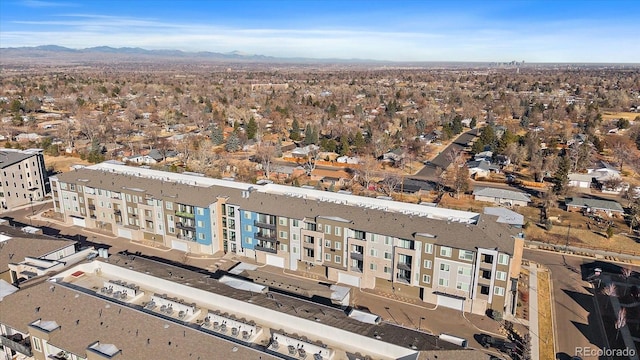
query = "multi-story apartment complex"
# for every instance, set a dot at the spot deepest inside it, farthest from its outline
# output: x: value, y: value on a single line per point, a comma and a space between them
x: 458, y: 259
x: 22, y: 177
x: 135, y: 308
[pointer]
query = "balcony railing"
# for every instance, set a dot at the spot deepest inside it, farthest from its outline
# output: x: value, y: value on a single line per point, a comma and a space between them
x: 266, y: 249
x: 92, y: 207
x: 356, y: 269
x: 19, y: 345
x: 117, y: 212
x: 263, y: 237
x: 404, y: 266
x: 264, y: 225
x: 185, y: 215
x: 181, y: 225
x: 357, y: 256
x: 403, y: 279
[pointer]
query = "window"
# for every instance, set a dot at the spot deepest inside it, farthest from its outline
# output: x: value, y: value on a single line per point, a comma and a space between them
x: 327, y: 243
x: 231, y: 211
x: 128, y: 197
x: 464, y: 271
x: 426, y: 279
x: 327, y: 257
x: 294, y: 236
x: 387, y: 240
x: 445, y: 251
x: 284, y: 247
x: 282, y: 221
x: 170, y: 217
x: 465, y: 255
x: 295, y: 223
x: 201, y: 236
x: 247, y: 215
x: 374, y: 252
x: 498, y: 291
x: 503, y: 259
x: 387, y: 270
x: 169, y: 205
x: 428, y: 248
x: 248, y: 240
x: 247, y: 228
x: 327, y: 229
x: 373, y: 267
x: 36, y: 344
x: 387, y: 255
x: 200, y: 211
x: 444, y: 267
x: 338, y: 245
x: 171, y: 230
x: 501, y: 275
x: 338, y: 259
x: 443, y: 282
x: 427, y: 264
x: 484, y: 290
x: 283, y: 235
x: 337, y: 231
x: 462, y: 286
x: 200, y: 223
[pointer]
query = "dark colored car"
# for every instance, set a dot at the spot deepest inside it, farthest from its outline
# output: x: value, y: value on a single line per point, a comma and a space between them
x: 501, y: 345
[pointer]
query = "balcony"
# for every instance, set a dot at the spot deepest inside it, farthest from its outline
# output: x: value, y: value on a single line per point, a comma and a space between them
x: 356, y: 269
x: 117, y: 212
x: 266, y: 249
x: 310, y: 227
x: 402, y: 279
x: 185, y: 215
x: 92, y: 207
x: 263, y: 237
x: 185, y: 226
x: 404, y: 266
x: 264, y: 225
x: 357, y: 256
x: 16, y: 343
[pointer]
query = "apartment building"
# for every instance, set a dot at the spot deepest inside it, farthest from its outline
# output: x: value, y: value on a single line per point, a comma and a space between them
x: 132, y: 307
x: 23, y: 177
x: 458, y: 259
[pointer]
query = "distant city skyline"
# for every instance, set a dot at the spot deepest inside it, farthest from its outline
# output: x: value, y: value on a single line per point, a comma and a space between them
x: 494, y: 31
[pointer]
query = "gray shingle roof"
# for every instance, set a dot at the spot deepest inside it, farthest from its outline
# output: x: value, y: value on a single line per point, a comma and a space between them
x: 501, y: 193
x: 595, y: 204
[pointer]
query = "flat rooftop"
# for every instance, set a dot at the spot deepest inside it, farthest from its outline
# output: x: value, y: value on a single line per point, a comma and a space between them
x: 271, y: 312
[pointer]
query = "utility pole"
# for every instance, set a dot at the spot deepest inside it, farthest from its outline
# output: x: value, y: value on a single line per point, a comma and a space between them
x: 566, y: 246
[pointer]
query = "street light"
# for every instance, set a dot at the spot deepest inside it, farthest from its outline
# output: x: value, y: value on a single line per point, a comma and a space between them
x: 31, y: 202
x: 420, y: 323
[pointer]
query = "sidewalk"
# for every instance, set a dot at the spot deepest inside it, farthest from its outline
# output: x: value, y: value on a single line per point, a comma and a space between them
x: 583, y: 252
x: 533, y: 311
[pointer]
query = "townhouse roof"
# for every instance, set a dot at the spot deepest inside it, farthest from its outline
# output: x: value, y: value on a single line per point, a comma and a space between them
x: 501, y: 193
x: 598, y: 204
x: 85, y: 319
x: 505, y: 215
x: 16, y: 249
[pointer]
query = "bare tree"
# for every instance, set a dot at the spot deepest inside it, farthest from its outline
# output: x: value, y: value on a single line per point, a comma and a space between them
x: 311, y: 160
x: 626, y: 274
x: 265, y: 153
x: 610, y: 290
x: 621, y: 321
x: 390, y: 183
x: 366, y: 170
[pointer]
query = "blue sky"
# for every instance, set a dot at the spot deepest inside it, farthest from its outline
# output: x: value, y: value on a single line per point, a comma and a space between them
x: 427, y: 30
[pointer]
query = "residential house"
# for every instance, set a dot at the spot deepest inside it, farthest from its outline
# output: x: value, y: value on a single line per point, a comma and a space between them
x: 501, y: 196
x: 580, y: 180
x: 506, y: 216
x: 482, y: 169
x: 594, y: 206
x: 304, y: 152
x: 394, y: 156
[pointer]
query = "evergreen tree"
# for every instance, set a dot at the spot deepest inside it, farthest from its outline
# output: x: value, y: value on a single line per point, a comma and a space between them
x: 358, y: 142
x: 344, y: 145
x: 308, y: 135
x: 217, y: 135
x: 456, y: 124
x: 561, y: 176
x: 295, y: 130
x: 233, y: 143
x: 473, y: 123
x: 252, y: 128
x: 314, y: 135
x: 488, y: 136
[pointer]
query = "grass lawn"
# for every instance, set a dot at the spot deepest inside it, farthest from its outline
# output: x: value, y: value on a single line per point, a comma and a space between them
x: 63, y: 163
x: 607, y: 115
x: 545, y: 323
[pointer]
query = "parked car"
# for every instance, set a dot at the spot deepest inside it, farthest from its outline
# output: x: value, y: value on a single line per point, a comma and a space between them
x: 501, y: 345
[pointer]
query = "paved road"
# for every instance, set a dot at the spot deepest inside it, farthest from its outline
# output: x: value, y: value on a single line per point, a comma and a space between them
x: 442, y: 161
x: 576, y: 323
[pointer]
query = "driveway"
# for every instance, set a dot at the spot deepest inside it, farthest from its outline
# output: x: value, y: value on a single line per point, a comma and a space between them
x: 429, y: 172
